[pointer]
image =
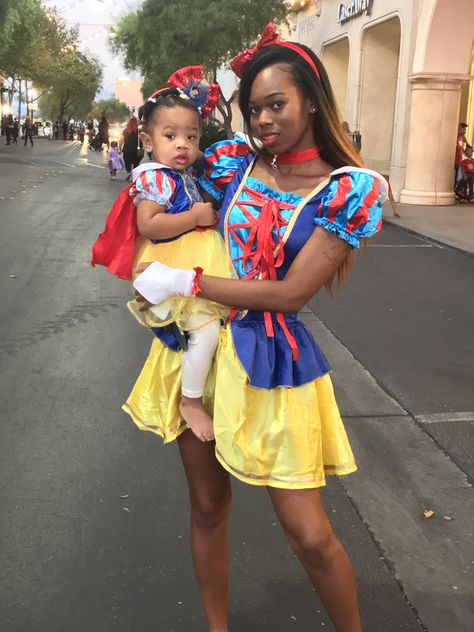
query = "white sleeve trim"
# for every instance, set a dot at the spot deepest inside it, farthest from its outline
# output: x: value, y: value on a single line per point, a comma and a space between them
x: 375, y: 174
x: 147, y: 166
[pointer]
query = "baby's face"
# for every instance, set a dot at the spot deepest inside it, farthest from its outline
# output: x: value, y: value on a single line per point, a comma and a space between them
x: 173, y: 137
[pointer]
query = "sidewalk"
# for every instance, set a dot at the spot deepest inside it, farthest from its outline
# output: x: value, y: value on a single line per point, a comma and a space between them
x: 450, y: 225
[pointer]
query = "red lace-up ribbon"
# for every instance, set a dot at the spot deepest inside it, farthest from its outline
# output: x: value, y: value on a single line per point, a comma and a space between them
x: 261, y: 256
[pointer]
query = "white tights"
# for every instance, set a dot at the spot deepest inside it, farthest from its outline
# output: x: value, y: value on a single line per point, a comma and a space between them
x: 197, y: 359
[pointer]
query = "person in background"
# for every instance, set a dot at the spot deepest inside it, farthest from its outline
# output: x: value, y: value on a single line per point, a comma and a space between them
x: 103, y: 133
x: 15, y: 132
x: 131, y: 147
x: 115, y: 161
x: 461, y: 145
x: 354, y: 137
x: 9, y: 128
x: 467, y: 168
x: 28, y: 131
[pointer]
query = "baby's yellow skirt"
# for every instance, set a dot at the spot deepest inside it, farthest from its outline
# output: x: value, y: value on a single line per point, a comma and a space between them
x: 284, y: 437
x: 205, y: 249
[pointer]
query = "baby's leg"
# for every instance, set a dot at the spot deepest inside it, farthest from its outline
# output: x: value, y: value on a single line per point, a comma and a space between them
x: 195, y: 366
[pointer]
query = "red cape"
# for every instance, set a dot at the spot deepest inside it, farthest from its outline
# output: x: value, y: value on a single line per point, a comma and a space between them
x: 114, y: 247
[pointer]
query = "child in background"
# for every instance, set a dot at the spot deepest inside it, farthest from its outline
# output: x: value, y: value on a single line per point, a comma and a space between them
x: 115, y: 160
x: 161, y: 218
x: 467, y: 166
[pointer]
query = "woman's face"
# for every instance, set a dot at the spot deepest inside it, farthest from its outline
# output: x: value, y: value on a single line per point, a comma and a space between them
x: 279, y: 114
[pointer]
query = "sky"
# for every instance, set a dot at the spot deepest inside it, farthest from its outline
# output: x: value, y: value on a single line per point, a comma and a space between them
x: 94, y: 18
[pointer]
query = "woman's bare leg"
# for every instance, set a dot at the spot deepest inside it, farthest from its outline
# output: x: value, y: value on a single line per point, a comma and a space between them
x: 210, y: 496
x: 310, y: 535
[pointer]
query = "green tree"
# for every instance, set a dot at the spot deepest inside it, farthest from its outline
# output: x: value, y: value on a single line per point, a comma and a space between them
x: 37, y: 47
x: 162, y: 36
x: 20, y: 32
x: 69, y: 77
x: 21, y: 24
x: 115, y: 111
x: 75, y: 86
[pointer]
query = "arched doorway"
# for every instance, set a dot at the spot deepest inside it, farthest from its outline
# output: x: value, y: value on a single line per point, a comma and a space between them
x: 335, y: 57
x: 378, y: 95
x: 441, y: 65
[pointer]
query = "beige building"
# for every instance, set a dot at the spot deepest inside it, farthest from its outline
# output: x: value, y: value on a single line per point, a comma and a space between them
x: 402, y: 74
x: 130, y: 92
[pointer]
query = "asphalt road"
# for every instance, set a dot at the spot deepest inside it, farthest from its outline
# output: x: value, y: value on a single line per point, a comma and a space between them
x: 94, y: 524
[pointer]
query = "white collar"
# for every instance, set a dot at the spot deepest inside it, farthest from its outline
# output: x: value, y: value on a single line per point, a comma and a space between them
x: 147, y: 166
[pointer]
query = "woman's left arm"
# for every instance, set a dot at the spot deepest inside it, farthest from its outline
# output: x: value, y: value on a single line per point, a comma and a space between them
x: 313, y: 267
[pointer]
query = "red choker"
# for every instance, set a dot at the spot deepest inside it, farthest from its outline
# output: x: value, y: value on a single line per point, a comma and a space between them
x: 295, y: 157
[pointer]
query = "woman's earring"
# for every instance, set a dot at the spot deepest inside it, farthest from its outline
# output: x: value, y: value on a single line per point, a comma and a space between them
x: 313, y: 110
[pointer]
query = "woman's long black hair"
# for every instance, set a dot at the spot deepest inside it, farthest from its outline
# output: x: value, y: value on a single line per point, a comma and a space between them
x: 333, y: 143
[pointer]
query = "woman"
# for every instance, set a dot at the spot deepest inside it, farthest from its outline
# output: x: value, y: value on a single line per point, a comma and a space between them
x: 292, y: 215
x: 103, y: 132
x: 130, y: 146
x: 28, y: 131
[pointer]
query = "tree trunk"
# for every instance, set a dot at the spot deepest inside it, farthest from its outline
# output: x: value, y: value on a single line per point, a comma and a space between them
x: 224, y: 107
x: 19, y: 99
x: 10, y: 96
x: 62, y: 106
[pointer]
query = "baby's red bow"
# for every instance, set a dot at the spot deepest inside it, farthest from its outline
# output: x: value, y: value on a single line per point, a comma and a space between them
x: 269, y: 37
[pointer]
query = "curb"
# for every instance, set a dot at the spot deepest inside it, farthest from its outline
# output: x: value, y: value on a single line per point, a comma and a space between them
x: 429, y: 238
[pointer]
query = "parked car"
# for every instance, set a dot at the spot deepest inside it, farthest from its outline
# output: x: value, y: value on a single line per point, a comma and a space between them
x: 47, y: 129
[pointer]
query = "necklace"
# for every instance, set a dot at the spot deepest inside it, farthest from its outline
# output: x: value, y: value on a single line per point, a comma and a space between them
x: 295, y: 157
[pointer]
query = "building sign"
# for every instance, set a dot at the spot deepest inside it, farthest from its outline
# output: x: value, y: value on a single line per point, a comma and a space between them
x: 307, y: 26
x: 354, y: 9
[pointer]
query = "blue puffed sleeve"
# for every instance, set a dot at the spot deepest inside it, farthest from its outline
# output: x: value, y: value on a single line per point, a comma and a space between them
x: 352, y: 207
x: 221, y: 161
x: 153, y: 185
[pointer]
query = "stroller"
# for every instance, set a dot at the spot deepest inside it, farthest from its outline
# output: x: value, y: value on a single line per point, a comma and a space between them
x: 461, y: 190
x: 96, y: 143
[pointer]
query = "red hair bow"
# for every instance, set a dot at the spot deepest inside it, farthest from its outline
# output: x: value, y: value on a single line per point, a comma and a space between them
x: 189, y: 81
x: 269, y: 37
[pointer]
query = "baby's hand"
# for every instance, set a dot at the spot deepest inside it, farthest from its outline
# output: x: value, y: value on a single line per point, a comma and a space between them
x: 204, y: 214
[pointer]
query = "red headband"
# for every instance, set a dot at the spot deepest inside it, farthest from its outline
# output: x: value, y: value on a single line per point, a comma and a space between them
x: 269, y: 37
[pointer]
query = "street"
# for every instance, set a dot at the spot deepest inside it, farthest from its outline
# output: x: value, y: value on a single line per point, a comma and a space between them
x: 94, y: 522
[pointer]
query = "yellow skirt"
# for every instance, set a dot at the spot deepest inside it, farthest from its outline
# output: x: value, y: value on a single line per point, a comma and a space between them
x: 197, y: 248
x: 284, y: 437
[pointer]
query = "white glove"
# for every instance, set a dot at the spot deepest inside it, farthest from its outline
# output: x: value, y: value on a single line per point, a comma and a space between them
x: 158, y: 282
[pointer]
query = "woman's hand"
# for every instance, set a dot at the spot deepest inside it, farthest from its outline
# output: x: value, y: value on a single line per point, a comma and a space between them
x: 158, y: 282
x: 144, y: 304
x: 204, y: 214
